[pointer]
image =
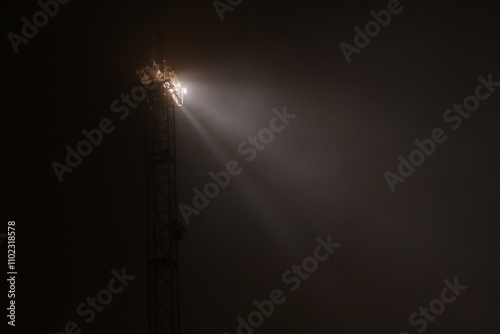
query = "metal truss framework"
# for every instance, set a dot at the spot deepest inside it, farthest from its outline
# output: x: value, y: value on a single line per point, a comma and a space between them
x: 164, y: 230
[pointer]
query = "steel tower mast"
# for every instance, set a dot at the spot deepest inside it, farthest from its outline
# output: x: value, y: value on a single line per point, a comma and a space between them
x: 164, y: 93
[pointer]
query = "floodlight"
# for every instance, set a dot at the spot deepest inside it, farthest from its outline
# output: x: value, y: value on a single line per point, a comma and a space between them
x: 163, y: 74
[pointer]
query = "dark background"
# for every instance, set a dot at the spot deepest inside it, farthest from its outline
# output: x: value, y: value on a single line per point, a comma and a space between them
x: 321, y: 176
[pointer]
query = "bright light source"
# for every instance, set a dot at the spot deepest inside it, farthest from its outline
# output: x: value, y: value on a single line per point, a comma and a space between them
x: 163, y: 74
x: 184, y: 90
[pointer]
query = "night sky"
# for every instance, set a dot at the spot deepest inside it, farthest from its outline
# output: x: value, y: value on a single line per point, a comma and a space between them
x: 352, y: 120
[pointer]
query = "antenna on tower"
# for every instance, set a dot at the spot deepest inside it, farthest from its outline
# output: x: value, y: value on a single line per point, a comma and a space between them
x: 153, y: 51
